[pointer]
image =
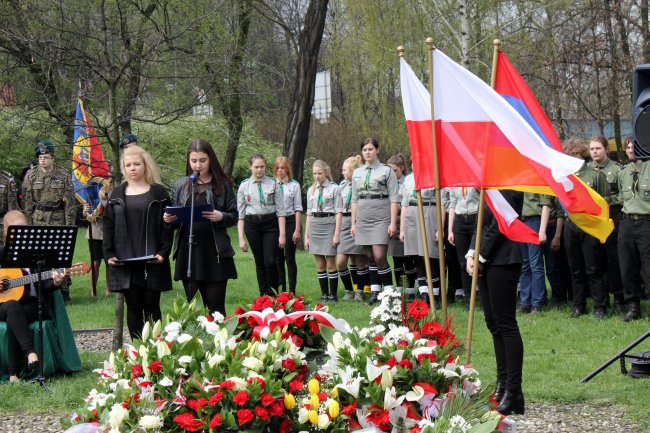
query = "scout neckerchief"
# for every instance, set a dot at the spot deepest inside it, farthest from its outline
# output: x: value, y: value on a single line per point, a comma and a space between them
x: 366, y: 183
x: 319, y: 204
x: 349, y: 199
x: 635, y: 182
x: 281, y: 182
x: 260, y: 192
x: 463, y: 192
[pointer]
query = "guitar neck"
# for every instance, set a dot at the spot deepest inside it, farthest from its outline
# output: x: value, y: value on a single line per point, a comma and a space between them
x: 32, y: 278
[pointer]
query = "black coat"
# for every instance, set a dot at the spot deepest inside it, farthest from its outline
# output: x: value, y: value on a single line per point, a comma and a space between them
x: 496, y: 249
x: 158, y: 239
x: 226, y: 203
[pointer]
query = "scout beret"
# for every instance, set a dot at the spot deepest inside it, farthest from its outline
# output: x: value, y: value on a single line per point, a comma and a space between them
x: 44, y: 147
x: 127, y: 139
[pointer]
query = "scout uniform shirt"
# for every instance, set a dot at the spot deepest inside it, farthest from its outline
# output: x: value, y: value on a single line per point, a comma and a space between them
x: 464, y: 200
x: 378, y: 181
x: 409, y: 196
x: 533, y: 204
x: 321, y: 198
x: 292, y: 196
x: 8, y: 195
x: 49, y: 197
x: 259, y: 197
x: 343, y: 200
x: 610, y: 169
x: 634, y: 188
x: 595, y: 180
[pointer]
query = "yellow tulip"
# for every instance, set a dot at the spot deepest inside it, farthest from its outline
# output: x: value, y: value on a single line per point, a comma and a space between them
x: 289, y: 401
x: 314, y: 401
x: 313, y: 386
x: 334, y: 409
x: 313, y: 417
x: 335, y: 392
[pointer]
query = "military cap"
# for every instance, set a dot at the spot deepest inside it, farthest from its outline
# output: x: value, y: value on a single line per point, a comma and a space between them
x: 44, y: 147
x: 127, y: 139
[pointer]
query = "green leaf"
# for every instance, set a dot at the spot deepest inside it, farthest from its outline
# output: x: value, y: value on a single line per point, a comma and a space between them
x: 485, y: 427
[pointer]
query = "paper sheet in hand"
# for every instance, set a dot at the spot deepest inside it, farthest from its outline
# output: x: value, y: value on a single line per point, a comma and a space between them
x: 142, y: 259
x: 183, y: 212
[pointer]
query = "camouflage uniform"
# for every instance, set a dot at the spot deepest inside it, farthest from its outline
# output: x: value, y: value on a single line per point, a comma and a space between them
x: 8, y: 195
x: 49, y: 197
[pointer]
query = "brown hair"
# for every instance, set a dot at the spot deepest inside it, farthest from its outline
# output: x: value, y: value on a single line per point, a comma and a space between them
x: 219, y: 176
x: 370, y: 140
x: 282, y: 161
x: 576, y: 145
x: 602, y: 140
x: 400, y: 161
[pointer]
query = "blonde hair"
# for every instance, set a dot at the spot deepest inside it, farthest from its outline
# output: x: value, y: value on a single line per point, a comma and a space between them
x: 319, y: 163
x: 353, y: 161
x: 151, y: 170
x: 282, y: 161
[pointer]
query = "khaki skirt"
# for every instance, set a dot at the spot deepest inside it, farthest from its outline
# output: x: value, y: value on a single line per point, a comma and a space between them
x: 347, y: 245
x: 413, y: 245
x: 373, y: 219
x: 321, y: 233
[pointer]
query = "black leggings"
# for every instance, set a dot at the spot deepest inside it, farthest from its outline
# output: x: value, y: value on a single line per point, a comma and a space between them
x: 288, y: 255
x: 212, y: 292
x: 262, y: 235
x: 18, y: 317
x: 142, y: 304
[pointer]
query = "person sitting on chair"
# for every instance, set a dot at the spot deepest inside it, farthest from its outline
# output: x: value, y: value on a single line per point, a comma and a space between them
x: 18, y: 314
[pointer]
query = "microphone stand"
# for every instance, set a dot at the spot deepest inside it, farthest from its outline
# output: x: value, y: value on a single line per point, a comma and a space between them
x: 191, y: 289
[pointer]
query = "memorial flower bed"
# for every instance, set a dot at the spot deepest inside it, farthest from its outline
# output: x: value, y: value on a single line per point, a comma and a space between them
x: 250, y: 373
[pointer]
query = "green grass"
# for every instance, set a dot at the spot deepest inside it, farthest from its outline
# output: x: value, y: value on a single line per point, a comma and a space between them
x: 558, y: 351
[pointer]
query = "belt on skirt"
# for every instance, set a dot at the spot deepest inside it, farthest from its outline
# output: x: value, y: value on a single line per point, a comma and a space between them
x: 322, y: 214
x: 465, y: 216
x: 260, y: 217
x: 635, y: 216
x: 373, y: 196
x: 424, y: 203
x: 346, y: 214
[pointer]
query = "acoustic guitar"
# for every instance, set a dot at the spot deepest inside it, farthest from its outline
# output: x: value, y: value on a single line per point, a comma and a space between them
x: 15, y: 281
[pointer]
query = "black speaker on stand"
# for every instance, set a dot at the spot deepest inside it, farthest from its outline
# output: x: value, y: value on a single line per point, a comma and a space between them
x: 641, y: 111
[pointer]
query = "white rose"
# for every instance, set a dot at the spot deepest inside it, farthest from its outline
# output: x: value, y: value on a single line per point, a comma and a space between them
x: 323, y: 421
x: 185, y: 359
x: 211, y: 328
x: 117, y: 415
x: 252, y: 363
x: 165, y: 381
x: 148, y: 422
x: 183, y: 338
x: 173, y: 327
x: 303, y: 415
x: 218, y: 317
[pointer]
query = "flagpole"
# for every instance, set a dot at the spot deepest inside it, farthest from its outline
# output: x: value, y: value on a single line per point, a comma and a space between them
x: 441, y: 229
x: 423, y: 235
x: 479, y: 231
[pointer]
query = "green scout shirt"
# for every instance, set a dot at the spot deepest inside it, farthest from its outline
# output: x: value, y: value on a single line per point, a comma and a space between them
x: 533, y: 204
x: 635, y: 196
x: 49, y: 197
x: 595, y: 180
x: 610, y: 169
x: 8, y: 195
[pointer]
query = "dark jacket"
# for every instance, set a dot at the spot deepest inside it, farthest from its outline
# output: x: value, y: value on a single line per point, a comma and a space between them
x: 226, y: 202
x: 496, y: 249
x: 158, y: 240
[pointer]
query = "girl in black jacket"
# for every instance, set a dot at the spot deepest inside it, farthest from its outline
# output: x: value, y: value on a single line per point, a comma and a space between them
x: 133, y: 228
x: 212, y: 254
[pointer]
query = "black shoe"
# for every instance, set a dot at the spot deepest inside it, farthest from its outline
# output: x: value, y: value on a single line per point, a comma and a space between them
x: 333, y: 298
x: 633, y: 312
x: 577, y: 312
x: 600, y: 313
x: 535, y: 310
x: 33, y: 365
x: 524, y: 309
x: 619, y: 306
x: 512, y: 402
x: 374, y: 298
x: 499, y: 390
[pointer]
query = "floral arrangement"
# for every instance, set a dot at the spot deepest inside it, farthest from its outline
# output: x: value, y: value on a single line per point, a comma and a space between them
x: 200, y: 373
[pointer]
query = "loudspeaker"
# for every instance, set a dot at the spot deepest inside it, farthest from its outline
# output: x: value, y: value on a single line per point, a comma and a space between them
x: 641, y: 111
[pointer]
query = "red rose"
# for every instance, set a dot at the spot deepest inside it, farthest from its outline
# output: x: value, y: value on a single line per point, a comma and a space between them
x: 295, y: 386
x: 95, y: 414
x: 392, y: 362
x: 304, y: 368
x: 209, y: 317
x: 262, y: 413
x: 216, y: 421
x: 277, y: 409
x: 298, y: 305
x: 289, y: 364
x: 188, y: 422
x: 283, y: 298
x: 240, y: 398
x: 266, y: 399
x: 216, y: 398
x: 322, y: 396
x: 418, y: 309
x: 244, y: 416
x: 239, y: 310
x: 315, y: 328
x: 406, y: 364
x: 227, y: 384
x: 431, y: 329
x: 257, y: 380
x: 285, y: 425
x: 299, y: 322
x: 136, y: 370
x: 429, y: 356
x: 144, y: 384
x: 378, y: 338
x: 297, y: 340
x: 155, y: 367
x: 350, y: 409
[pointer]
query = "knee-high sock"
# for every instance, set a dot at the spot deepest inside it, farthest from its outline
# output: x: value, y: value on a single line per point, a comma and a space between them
x: 411, y: 275
x: 345, y: 277
x: 386, y: 277
x: 375, y: 285
x: 322, y: 281
x: 354, y: 275
x: 362, y: 278
x: 398, y: 272
x: 334, y: 283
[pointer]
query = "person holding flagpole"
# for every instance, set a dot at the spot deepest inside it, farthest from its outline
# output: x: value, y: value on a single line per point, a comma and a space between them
x: 375, y: 203
x: 498, y: 275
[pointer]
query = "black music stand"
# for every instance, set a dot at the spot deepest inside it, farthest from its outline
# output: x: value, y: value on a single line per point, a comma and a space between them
x: 38, y: 247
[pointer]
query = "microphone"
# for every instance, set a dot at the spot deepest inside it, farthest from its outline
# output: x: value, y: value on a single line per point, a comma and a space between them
x: 194, y: 176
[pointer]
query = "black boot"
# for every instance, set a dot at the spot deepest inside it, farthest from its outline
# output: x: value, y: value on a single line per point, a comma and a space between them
x: 512, y: 403
x: 374, y: 298
x: 324, y: 289
x: 499, y: 390
x: 633, y: 311
x: 619, y: 304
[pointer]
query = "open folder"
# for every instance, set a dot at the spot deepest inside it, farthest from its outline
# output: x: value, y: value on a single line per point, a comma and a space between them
x: 183, y: 212
x: 134, y: 260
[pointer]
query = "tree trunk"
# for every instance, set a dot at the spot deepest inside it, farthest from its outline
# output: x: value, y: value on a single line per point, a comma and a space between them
x: 297, y: 135
x: 645, y: 31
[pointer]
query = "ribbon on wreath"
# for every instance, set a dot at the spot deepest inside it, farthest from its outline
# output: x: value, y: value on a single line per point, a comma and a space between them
x: 268, y: 319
